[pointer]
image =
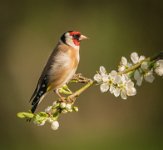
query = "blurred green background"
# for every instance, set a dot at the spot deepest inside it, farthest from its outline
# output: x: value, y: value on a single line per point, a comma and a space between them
x: 29, y: 30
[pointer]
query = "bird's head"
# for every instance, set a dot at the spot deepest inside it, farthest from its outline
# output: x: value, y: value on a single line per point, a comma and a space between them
x: 72, y: 38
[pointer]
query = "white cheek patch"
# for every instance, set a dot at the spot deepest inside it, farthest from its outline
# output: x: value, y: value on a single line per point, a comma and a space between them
x: 70, y: 42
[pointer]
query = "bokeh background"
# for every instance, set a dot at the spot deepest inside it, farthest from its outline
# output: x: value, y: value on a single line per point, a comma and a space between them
x: 30, y: 29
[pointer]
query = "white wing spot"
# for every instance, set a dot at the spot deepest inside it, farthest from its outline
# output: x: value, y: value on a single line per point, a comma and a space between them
x: 40, y: 93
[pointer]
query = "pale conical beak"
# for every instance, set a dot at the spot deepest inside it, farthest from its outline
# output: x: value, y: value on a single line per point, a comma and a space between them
x: 82, y: 37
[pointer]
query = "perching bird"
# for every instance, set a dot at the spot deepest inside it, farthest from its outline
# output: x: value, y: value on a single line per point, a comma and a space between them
x: 60, y: 68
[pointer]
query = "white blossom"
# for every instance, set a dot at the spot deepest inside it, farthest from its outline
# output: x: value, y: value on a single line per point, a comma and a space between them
x: 145, y: 66
x: 116, y: 92
x: 48, y: 109
x: 101, y: 76
x: 123, y: 61
x: 123, y: 64
x: 119, y: 85
x: 98, y: 78
x: 138, y: 77
x: 121, y: 68
x: 122, y: 86
x: 112, y: 89
x: 104, y: 87
x: 113, y: 80
x: 135, y: 57
x: 149, y: 76
x: 130, y: 89
x: 102, y: 70
x: 123, y: 94
x: 55, y: 125
x: 113, y: 77
x: 127, y: 87
x: 159, y: 68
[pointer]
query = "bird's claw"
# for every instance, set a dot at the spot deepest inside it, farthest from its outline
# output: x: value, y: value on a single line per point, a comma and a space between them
x: 79, y: 78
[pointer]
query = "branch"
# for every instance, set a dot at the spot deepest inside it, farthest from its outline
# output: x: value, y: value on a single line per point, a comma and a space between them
x: 120, y: 83
x: 80, y: 91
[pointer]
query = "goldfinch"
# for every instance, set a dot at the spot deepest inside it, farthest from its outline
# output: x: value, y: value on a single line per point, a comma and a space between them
x: 60, y: 67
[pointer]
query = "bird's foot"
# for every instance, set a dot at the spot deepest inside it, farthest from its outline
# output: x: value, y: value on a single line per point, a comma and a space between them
x: 80, y: 78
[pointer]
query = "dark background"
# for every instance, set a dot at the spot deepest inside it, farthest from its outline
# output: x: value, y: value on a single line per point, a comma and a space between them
x: 29, y: 30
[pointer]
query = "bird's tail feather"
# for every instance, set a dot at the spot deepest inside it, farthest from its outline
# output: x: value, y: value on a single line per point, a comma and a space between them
x: 37, y: 98
x: 36, y: 101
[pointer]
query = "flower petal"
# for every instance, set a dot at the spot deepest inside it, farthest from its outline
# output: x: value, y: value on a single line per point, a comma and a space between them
x: 104, y: 87
x: 145, y: 66
x: 116, y: 92
x: 118, y: 79
x: 134, y: 57
x: 98, y: 78
x: 131, y: 91
x: 121, y: 68
x: 138, y: 77
x: 129, y: 84
x: 105, y: 78
x: 141, y: 58
x: 123, y: 94
x: 102, y: 70
x: 159, y: 68
x: 149, y: 77
x: 112, y: 88
x: 139, y: 82
x: 123, y: 61
x: 112, y: 74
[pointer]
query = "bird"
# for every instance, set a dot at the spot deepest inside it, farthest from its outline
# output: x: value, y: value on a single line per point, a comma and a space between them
x: 60, y: 67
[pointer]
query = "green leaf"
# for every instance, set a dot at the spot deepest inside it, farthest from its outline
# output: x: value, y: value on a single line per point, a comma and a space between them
x: 40, y: 117
x: 65, y: 90
x: 25, y: 115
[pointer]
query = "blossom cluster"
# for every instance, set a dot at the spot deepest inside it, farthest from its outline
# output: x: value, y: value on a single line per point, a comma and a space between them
x: 51, y: 114
x: 121, y: 83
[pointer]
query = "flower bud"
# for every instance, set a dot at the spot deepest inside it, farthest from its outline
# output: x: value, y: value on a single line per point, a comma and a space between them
x: 68, y: 107
x: 48, y: 109
x: 49, y: 120
x: 54, y: 103
x: 63, y: 105
x: 75, y: 109
x: 55, y: 125
x: 42, y: 123
x: 64, y: 111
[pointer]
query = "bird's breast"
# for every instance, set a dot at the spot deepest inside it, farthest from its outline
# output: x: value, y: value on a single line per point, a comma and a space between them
x: 63, y: 68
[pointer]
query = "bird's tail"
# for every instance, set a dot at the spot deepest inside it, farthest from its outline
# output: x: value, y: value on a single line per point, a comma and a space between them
x: 35, y: 102
x: 37, y: 97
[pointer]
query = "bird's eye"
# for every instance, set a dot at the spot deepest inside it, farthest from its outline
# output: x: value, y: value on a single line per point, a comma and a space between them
x: 76, y: 36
